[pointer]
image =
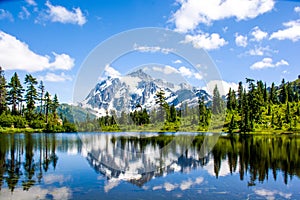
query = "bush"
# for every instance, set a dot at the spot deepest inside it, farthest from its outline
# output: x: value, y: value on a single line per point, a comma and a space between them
x: 19, y: 122
x: 6, y: 120
x: 37, y: 124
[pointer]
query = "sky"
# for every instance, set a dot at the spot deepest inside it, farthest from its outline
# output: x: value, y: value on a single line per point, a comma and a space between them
x: 52, y: 39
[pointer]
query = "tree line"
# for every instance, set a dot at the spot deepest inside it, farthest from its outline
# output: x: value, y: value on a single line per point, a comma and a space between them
x: 253, y: 107
x: 29, y: 105
x: 259, y: 107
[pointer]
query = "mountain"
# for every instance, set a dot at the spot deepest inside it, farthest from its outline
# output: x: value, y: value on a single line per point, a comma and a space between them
x: 124, y: 93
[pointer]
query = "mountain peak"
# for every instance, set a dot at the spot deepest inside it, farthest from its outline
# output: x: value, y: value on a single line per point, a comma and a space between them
x: 140, y: 74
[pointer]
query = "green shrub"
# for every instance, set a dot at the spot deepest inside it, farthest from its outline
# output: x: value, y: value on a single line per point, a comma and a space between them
x: 6, y: 120
x: 19, y: 122
x: 37, y: 124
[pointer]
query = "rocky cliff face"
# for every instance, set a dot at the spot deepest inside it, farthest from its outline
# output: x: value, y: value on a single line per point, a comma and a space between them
x: 124, y: 93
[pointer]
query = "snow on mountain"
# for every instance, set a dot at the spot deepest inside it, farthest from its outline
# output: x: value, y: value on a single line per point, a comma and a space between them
x: 124, y: 93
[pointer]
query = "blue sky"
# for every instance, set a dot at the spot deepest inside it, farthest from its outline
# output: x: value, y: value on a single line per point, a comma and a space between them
x: 245, y: 38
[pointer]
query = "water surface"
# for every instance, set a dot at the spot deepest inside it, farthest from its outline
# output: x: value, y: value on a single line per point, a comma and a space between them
x: 148, y: 166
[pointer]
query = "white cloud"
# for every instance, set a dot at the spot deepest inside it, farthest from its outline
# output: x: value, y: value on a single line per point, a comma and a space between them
x: 110, y: 71
x: 27, y: 60
x: 206, y: 41
x: 151, y: 49
x: 198, y: 76
x: 241, y: 40
x: 166, y: 69
x: 291, y: 32
x: 52, y: 77
x: 24, y: 14
x: 62, y: 15
x: 31, y: 2
x: 62, y: 61
x: 4, y: 14
x: 268, y: 63
x: 260, y: 51
x: 281, y: 62
x: 193, y: 12
x: 297, y: 9
x: 177, y: 61
x: 223, y: 86
x: 258, y: 34
x: 183, y: 71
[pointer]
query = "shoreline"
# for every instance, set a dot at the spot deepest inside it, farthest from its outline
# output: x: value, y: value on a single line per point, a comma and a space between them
x: 259, y: 132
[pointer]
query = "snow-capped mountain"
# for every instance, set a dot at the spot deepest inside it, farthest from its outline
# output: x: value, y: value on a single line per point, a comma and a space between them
x: 126, y: 92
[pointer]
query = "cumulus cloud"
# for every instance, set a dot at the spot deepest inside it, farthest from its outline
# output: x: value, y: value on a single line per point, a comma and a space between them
x: 166, y: 69
x: 258, y: 34
x: 193, y: 12
x: 151, y: 49
x: 291, y: 32
x: 297, y: 9
x: 177, y: 61
x: 241, y: 40
x: 223, y: 86
x: 206, y: 41
x: 184, y: 71
x: 27, y: 60
x: 112, y: 72
x: 4, y: 14
x: 268, y: 63
x: 52, y: 77
x: 62, y: 15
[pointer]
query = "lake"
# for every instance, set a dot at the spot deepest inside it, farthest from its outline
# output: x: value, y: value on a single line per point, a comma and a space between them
x: 149, y: 166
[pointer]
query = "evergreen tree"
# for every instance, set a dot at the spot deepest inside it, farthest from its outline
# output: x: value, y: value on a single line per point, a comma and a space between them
x: 161, y: 101
x: 283, y: 92
x: 3, y: 92
x: 41, y: 92
x: 265, y: 93
x: 202, y: 112
x: 173, y: 114
x: 272, y: 97
x: 229, y: 95
x: 31, y: 92
x: 15, y: 93
x: 54, y: 105
x: 217, y: 106
x: 48, y: 103
x: 240, y: 96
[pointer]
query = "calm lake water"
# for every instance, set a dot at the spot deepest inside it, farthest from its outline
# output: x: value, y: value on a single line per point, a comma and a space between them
x: 148, y: 166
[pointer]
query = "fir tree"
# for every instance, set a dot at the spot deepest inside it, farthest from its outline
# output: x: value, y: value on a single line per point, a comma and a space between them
x: 3, y: 92
x: 31, y: 92
x: 15, y: 93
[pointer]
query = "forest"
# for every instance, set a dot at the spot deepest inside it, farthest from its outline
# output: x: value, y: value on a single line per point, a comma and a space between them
x: 254, y: 107
x: 29, y: 107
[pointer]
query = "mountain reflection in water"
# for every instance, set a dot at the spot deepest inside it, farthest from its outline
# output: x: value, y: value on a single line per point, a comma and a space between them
x: 138, y: 158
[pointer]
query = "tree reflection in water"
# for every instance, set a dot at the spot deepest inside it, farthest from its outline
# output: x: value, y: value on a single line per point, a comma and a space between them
x: 25, y: 158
